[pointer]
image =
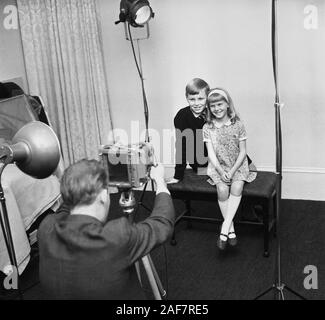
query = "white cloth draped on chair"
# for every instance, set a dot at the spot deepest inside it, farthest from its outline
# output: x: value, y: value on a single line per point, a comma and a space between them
x: 26, y: 199
x: 64, y: 64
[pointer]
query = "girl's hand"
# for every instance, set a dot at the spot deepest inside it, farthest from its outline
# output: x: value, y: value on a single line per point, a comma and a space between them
x: 224, y: 177
x: 230, y: 175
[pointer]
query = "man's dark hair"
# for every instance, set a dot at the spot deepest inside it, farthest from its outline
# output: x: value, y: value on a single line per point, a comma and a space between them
x: 82, y: 182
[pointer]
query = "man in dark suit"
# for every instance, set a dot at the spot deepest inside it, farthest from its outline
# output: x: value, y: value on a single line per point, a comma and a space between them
x: 82, y: 256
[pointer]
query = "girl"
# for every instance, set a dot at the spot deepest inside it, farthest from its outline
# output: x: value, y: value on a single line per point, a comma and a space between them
x: 225, y: 138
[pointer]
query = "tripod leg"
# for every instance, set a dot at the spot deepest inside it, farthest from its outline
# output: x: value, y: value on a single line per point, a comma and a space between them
x: 295, y: 293
x: 278, y: 293
x: 162, y: 291
x: 151, y: 278
x: 264, y: 293
x: 137, y: 268
x: 281, y: 295
x: 140, y: 202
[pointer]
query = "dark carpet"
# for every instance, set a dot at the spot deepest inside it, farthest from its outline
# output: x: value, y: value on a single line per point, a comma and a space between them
x: 195, y: 269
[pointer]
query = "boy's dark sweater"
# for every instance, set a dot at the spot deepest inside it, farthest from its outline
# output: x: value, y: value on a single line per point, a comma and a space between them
x: 183, y: 120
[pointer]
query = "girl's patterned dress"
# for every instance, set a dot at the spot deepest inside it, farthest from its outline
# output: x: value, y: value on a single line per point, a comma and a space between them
x: 225, y: 141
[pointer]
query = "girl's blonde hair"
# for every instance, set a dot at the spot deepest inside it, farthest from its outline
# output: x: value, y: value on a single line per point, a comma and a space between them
x: 216, y: 95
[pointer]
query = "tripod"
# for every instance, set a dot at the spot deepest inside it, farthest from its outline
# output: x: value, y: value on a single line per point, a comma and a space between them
x: 278, y: 286
x: 128, y: 203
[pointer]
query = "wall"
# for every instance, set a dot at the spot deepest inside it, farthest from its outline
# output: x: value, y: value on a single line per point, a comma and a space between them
x: 302, y: 70
x: 228, y: 43
x: 11, y: 57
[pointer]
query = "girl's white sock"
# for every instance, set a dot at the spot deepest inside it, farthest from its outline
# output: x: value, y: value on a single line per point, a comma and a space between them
x: 223, y: 205
x: 233, y: 203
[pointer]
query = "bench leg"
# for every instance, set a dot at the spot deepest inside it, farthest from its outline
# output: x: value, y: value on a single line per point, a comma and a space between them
x: 186, y: 212
x: 275, y: 215
x: 266, y: 212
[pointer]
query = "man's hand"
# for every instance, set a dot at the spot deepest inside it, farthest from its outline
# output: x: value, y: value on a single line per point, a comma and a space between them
x: 172, y: 180
x: 157, y: 172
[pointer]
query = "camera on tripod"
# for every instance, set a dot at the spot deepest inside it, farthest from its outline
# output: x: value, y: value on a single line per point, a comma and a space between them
x: 127, y: 166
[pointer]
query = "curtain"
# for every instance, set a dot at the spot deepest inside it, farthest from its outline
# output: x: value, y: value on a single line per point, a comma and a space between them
x: 64, y: 60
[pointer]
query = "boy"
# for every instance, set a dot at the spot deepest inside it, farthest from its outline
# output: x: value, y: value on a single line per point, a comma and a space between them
x: 188, y: 123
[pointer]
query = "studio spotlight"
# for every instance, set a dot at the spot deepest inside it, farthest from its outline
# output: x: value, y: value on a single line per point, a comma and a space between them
x: 136, y: 12
x: 35, y: 150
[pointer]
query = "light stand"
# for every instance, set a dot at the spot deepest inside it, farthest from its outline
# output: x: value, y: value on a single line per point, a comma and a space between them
x: 4, y: 220
x: 128, y: 203
x: 144, y: 97
x: 278, y: 286
x: 137, y: 13
x: 140, y: 72
x: 148, y: 264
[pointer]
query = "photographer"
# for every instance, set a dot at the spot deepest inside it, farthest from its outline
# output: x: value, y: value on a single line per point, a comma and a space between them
x: 82, y: 256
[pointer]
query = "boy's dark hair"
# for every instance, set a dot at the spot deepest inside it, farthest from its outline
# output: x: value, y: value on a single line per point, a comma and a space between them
x: 195, y: 86
x: 82, y: 182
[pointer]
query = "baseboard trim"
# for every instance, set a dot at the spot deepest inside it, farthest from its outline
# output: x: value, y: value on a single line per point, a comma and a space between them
x: 294, y: 169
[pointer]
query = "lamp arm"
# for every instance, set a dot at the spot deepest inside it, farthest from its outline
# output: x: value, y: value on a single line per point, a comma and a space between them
x: 145, y: 102
x: 16, y: 152
x: 6, y: 156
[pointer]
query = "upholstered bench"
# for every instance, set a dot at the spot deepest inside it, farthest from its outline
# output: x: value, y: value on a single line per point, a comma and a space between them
x: 262, y: 192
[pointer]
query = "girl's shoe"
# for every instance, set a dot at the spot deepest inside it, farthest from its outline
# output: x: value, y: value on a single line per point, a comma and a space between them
x: 232, y: 241
x: 221, y: 244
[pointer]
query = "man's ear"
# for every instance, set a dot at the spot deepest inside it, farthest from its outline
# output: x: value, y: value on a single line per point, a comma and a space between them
x: 103, y: 196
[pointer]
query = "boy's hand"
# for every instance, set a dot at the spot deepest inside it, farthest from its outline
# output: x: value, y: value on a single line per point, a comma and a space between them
x: 172, y: 180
